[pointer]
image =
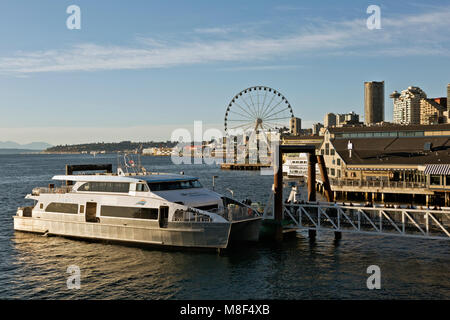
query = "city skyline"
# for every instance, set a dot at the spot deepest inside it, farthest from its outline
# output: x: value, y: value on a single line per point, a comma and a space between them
x: 139, y: 72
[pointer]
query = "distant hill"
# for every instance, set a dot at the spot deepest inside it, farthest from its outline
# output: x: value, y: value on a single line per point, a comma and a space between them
x: 124, y: 146
x: 17, y: 151
x: 29, y: 146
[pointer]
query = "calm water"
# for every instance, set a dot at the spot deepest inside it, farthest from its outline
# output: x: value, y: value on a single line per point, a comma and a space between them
x: 34, y: 266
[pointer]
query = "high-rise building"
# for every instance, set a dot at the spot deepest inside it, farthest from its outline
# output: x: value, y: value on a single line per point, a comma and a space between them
x: 316, y: 128
x: 295, y: 126
x: 347, y: 118
x: 448, y: 98
x: 432, y: 110
x: 407, y: 105
x: 373, y: 102
x: 329, y: 120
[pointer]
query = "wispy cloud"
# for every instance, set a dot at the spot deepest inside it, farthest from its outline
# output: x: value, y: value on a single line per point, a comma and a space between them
x: 420, y: 34
x: 262, y: 68
x: 215, y: 30
x: 289, y: 8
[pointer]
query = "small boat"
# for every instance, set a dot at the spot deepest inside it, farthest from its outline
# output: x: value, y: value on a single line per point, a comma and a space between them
x: 172, y: 210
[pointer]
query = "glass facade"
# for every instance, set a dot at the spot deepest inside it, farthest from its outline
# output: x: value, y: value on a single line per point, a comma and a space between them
x: 386, y: 134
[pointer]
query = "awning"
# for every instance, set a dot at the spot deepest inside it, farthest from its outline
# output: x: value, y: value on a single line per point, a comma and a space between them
x: 441, y: 169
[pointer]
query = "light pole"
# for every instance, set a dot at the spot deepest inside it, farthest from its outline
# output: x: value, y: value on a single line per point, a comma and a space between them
x: 214, y: 177
x: 232, y: 192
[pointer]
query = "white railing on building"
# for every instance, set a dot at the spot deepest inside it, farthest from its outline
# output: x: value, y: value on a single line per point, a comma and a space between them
x: 376, y: 184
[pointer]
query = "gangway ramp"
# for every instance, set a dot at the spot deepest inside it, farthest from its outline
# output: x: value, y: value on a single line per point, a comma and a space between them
x: 373, y: 220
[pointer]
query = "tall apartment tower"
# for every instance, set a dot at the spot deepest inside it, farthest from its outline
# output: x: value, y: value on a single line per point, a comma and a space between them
x: 373, y: 102
x: 407, y: 105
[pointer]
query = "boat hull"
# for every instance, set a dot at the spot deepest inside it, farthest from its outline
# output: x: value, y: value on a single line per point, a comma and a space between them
x: 176, y: 234
x: 245, y: 230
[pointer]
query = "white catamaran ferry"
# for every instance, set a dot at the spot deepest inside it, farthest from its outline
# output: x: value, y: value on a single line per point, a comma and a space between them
x: 146, y: 208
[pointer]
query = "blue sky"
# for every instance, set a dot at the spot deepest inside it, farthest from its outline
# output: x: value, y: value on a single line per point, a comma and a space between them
x: 139, y: 69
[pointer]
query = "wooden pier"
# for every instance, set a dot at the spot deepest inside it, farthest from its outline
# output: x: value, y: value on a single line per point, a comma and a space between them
x: 244, y: 166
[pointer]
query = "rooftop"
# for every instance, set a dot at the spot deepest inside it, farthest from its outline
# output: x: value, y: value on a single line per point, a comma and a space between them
x: 391, y: 127
x: 395, y: 151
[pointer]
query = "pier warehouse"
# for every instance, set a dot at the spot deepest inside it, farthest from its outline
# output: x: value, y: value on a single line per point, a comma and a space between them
x: 407, y: 163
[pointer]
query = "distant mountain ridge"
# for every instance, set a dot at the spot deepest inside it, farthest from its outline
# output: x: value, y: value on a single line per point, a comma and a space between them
x: 28, y: 146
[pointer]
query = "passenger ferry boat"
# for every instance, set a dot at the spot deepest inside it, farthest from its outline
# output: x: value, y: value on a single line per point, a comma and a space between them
x: 143, y: 208
x: 297, y: 166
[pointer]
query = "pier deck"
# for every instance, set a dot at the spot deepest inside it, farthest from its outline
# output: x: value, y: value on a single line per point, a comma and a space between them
x: 243, y: 166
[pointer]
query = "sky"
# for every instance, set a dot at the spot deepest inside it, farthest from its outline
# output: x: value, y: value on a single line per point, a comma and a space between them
x: 137, y: 70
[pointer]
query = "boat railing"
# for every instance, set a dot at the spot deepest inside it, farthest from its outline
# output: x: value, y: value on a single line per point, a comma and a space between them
x: 235, y: 211
x: 40, y: 190
x: 190, y: 215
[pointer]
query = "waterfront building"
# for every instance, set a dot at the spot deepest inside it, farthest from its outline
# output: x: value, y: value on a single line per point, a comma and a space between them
x: 303, y: 139
x: 373, y: 102
x: 388, y: 160
x: 407, y: 105
x: 157, y: 151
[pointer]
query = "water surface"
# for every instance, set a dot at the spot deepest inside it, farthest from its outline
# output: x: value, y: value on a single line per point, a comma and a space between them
x: 34, y: 266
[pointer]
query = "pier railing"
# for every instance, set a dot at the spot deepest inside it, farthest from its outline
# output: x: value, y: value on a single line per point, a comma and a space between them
x: 419, y: 223
x: 376, y: 184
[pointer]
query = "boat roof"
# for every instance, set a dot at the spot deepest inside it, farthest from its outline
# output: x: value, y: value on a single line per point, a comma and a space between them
x: 153, y: 178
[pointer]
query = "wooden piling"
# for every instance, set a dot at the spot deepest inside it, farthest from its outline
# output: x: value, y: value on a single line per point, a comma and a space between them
x: 325, y: 181
x: 311, y: 177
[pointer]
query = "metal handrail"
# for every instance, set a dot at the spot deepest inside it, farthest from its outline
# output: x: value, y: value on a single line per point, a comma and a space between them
x: 380, y: 183
x: 425, y: 223
x: 63, y: 189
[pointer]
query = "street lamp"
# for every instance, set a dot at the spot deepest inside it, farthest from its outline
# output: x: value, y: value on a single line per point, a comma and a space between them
x: 214, y: 177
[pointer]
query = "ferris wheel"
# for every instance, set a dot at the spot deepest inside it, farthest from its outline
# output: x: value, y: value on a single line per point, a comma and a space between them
x: 257, y: 109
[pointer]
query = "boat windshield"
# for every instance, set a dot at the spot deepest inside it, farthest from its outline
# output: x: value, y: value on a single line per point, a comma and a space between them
x: 174, y: 185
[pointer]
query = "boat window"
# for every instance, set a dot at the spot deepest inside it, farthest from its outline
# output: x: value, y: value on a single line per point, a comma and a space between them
x: 62, y: 207
x: 174, y: 185
x: 119, y: 187
x: 129, y: 212
x: 141, y: 187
